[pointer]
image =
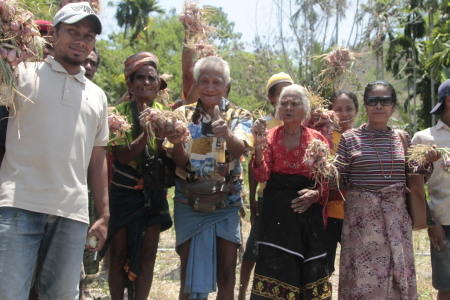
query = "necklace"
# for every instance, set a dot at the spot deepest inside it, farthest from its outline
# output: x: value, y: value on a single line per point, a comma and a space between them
x: 381, y: 164
x: 295, y: 164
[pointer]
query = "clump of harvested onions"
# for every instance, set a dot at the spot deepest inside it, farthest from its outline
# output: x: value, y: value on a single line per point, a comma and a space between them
x: 157, y: 118
x: 321, y: 119
x: 20, y: 41
x: 320, y: 161
x: 417, y: 154
x: 197, y: 30
x: 338, y: 62
x: 118, y: 125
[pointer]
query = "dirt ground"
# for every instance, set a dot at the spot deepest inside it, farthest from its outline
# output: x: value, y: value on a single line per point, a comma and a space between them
x: 166, y: 275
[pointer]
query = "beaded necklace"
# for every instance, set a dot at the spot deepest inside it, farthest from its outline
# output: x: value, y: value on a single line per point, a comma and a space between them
x: 381, y: 164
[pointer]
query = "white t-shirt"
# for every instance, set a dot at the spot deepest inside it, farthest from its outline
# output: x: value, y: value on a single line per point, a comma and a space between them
x: 49, y: 141
x: 438, y: 185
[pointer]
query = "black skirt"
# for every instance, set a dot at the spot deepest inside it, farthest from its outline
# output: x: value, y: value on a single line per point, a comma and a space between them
x: 292, y: 258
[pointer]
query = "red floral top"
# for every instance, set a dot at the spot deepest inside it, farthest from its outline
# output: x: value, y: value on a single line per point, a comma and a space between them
x: 277, y: 158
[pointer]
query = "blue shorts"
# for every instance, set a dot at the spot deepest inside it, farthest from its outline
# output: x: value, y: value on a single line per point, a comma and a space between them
x: 440, y: 264
x: 51, y: 245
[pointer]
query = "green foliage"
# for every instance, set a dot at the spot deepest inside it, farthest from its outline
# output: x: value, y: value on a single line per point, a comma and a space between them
x: 224, y: 30
x: 250, y: 73
x: 134, y: 14
x: 43, y: 9
x: 165, y: 36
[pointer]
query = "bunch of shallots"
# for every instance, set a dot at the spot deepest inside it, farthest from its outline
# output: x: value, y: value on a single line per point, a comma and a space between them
x: 325, y: 121
x: 20, y: 40
x: 157, y: 118
x: 338, y: 62
x: 417, y: 155
x: 197, y: 30
x: 118, y: 125
x: 319, y: 160
x: 321, y: 119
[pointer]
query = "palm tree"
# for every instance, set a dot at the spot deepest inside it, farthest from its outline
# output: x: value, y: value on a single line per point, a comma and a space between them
x: 134, y: 14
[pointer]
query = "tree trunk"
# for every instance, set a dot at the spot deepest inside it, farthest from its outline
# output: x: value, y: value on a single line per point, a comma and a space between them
x: 415, y: 83
x: 337, y: 22
x: 431, y: 27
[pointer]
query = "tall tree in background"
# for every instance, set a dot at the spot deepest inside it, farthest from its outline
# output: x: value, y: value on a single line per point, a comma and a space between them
x: 383, y: 19
x: 135, y: 14
x: 415, y: 30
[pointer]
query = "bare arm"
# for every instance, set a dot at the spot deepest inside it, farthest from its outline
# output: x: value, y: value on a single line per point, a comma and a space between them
x: 179, y: 155
x: 253, y: 184
x: 235, y: 146
x: 98, y: 183
x: 127, y: 153
x: 187, y: 64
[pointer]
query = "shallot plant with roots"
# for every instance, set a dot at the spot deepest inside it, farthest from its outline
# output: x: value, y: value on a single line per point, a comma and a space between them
x: 20, y: 41
x: 322, y: 119
x: 320, y: 161
x: 261, y: 138
x: 156, y: 119
x: 195, y: 22
x: 118, y: 125
x: 417, y: 153
x: 338, y: 63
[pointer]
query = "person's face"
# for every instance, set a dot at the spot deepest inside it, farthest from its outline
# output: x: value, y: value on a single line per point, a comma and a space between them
x: 90, y: 65
x: 447, y: 105
x: 211, y: 86
x: 290, y: 107
x: 345, y: 110
x: 274, y: 98
x: 74, y: 42
x: 145, y: 83
x: 379, y: 114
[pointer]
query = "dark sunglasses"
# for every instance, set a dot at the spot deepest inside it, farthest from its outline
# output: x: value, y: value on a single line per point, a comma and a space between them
x: 373, y: 101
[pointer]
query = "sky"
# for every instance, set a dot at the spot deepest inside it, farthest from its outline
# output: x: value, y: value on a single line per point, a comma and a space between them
x: 251, y: 17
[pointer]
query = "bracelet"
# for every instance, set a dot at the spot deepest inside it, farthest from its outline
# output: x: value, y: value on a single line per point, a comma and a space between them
x: 258, y: 160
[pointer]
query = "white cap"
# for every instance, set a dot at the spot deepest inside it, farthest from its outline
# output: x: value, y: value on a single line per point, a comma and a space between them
x: 74, y: 12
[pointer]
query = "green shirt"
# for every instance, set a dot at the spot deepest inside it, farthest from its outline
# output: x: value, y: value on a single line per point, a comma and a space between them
x: 124, y: 109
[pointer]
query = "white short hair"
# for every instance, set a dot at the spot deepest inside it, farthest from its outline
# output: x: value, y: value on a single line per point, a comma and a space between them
x: 304, y: 96
x: 215, y: 63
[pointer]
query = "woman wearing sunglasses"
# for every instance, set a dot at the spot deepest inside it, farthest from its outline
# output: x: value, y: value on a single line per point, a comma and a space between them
x: 377, y: 259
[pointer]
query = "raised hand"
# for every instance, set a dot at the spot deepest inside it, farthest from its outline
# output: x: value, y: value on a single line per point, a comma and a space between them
x: 171, y: 132
x: 219, y: 126
x: 259, y: 133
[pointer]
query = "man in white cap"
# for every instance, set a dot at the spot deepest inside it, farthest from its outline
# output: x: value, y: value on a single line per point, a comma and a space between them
x: 439, y: 193
x: 55, y: 143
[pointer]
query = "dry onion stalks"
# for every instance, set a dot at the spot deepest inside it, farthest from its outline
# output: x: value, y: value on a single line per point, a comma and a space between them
x: 156, y: 119
x: 337, y: 63
x: 320, y: 161
x: 20, y: 41
x: 417, y: 154
x: 118, y: 125
x: 197, y: 29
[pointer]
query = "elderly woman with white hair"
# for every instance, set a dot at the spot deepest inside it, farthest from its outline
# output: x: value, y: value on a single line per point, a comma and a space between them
x: 292, y: 257
x: 207, y: 198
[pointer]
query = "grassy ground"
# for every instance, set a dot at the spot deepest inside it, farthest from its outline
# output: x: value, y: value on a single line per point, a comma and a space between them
x: 166, y: 276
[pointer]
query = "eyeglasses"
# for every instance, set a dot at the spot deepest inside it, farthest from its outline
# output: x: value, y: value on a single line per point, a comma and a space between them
x: 373, y: 101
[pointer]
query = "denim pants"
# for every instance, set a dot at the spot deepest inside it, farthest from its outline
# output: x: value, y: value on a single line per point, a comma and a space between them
x: 45, y: 247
